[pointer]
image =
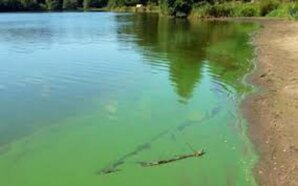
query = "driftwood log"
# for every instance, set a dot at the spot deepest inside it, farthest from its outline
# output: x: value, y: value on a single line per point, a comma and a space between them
x: 176, y: 158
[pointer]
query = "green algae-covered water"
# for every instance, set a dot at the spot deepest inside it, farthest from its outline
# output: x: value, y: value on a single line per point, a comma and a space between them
x: 86, y: 97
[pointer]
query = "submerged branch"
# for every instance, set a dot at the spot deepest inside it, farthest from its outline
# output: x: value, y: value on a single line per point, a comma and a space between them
x: 109, y: 171
x: 114, y: 166
x: 177, y: 158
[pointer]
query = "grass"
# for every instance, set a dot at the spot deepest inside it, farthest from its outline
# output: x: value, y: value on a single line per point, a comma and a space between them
x: 286, y: 10
x: 266, y: 8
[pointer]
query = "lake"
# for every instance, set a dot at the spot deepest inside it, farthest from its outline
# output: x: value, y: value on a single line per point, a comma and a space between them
x: 85, y: 98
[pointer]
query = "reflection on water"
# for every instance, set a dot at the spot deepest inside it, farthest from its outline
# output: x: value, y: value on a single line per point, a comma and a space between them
x: 186, y: 47
x: 89, y: 93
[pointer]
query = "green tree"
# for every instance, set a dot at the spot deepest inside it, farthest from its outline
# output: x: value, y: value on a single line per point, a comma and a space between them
x: 70, y: 4
x: 30, y: 5
x: 54, y: 4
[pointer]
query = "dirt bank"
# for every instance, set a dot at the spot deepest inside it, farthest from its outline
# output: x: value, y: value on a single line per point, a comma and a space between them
x: 273, y: 112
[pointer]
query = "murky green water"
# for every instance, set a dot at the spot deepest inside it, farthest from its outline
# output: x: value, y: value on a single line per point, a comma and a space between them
x: 82, y: 94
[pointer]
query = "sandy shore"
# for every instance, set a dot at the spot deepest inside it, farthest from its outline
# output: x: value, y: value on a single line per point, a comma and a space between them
x: 273, y: 112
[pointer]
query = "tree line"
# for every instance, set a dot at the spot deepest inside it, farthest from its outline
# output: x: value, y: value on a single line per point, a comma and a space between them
x: 58, y: 5
x: 49, y: 5
x: 176, y: 8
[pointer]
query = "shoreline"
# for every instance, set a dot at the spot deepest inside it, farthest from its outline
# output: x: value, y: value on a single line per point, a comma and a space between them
x: 272, y: 111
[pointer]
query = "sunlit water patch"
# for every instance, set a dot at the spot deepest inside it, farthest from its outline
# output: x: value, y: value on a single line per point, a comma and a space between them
x: 86, y: 97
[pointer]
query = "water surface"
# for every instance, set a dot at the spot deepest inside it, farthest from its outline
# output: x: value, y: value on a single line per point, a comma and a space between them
x: 84, y: 94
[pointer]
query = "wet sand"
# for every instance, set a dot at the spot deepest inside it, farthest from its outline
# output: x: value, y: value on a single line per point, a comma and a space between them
x: 273, y: 111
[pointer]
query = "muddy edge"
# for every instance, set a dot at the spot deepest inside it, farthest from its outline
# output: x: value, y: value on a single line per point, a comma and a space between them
x: 272, y: 112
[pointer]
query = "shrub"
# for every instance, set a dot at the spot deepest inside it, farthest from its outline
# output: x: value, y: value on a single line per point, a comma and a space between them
x: 285, y: 10
x: 11, y: 5
x: 201, y: 10
x: 266, y: 6
x: 280, y: 11
x: 293, y: 10
x: 177, y: 8
x: 222, y: 10
x: 53, y: 5
x: 30, y: 5
x: 70, y: 4
x: 247, y: 10
x: 182, y: 8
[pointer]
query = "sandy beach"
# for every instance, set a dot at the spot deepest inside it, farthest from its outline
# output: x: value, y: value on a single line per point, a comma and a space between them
x: 273, y: 111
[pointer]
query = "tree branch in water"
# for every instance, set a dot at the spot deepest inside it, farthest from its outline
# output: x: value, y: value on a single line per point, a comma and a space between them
x: 176, y: 158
